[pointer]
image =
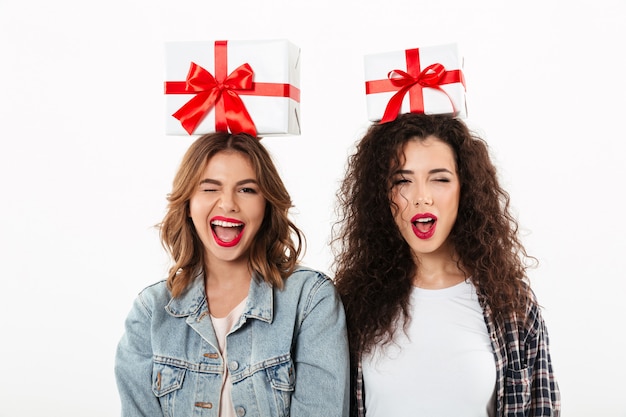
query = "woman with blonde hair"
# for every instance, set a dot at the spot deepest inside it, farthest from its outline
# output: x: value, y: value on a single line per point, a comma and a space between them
x: 238, y: 327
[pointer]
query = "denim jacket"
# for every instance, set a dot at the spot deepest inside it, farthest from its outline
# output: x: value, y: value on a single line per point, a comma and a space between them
x: 287, y: 354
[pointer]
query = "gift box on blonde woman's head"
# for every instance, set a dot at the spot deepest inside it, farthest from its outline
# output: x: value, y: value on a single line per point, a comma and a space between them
x: 235, y: 86
x: 421, y: 80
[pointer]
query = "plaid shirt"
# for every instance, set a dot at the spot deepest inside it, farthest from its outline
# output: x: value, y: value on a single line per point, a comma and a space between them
x: 525, y: 383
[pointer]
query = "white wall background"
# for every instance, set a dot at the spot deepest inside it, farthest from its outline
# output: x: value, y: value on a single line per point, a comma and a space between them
x: 85, y: 165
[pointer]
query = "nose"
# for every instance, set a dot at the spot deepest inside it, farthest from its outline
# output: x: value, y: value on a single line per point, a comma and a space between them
x: 228, y: 202
x: 423, y: 197
x: 423, y: 201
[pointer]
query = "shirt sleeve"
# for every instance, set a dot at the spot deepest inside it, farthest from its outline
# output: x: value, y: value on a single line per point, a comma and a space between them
x: 545, y: 395
x: 357, y: 399
x: 321, y: 356
x: 133, y: 366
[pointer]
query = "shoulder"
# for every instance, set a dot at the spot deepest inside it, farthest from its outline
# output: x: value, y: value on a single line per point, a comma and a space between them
x: 533, y: 321
x: 309, y: 284
x: 307, y: 273
x: 311, y: 293
x: 155, y: 296
x: 530, y: 324
x: 306, y: 277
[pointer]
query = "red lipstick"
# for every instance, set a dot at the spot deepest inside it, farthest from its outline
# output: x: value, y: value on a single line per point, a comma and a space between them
x: 424, y: 225
x: 230, y: 229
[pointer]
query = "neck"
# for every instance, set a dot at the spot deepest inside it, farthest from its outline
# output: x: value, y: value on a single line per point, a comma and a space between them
x: 227, y: 284
x: 437, y: 270
x: 227, y: 274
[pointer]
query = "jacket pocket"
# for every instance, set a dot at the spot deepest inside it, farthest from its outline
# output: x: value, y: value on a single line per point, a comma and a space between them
x: 282, y: 380
x: 166, y: 379
x: 517, y: 392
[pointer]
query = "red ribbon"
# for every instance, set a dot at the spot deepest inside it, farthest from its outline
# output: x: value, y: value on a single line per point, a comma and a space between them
x: 222, y: 93
x: 413, y: 81
x: 209, y: 92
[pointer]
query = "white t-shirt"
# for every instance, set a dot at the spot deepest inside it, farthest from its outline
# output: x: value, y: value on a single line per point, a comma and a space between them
x: 222, y: 326
x: 442, y: 366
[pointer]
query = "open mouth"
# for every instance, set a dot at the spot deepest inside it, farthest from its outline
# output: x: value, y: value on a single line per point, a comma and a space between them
x: 227, y: 233
x: 424, y: 225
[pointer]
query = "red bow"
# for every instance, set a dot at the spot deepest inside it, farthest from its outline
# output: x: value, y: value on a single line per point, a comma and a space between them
x: 212, y: 93
x: 432, y: 76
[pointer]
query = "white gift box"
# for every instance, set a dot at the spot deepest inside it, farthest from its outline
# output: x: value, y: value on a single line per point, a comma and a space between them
x: 432, y: 78
x: 272, y: 103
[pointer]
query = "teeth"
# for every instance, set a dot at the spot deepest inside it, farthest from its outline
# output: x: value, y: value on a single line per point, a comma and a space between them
x: 223, y: 223
x: 424, y: 220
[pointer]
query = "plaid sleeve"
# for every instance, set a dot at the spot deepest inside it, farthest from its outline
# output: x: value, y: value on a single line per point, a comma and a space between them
x: 530, y: 387
x: 545, y: 395
x: 525, y: 383
x: 359, y: 392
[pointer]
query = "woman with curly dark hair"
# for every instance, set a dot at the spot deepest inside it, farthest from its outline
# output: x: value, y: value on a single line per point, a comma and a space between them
x: 441, y: 319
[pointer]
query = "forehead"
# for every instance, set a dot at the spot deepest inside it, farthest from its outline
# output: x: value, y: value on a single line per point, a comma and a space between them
x: 428, y: 151
x: 228, y: 162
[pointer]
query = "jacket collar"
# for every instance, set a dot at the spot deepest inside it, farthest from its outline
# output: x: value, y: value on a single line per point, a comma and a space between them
x: 259, y: 305
x: 260, y: 300
x: 190, y: 301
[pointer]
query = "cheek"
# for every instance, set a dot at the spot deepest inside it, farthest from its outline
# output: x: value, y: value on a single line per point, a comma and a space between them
x: 193, y: 208
x: 452, y: 209
x: 259, y: 208
x: 199, y: 208
x: 255, y: 214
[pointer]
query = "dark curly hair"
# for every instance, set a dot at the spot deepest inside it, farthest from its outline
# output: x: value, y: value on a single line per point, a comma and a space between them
x: 374, y: 269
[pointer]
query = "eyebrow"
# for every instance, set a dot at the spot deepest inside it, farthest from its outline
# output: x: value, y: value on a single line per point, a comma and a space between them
x: 432, y: 171
x: 216, y: 182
